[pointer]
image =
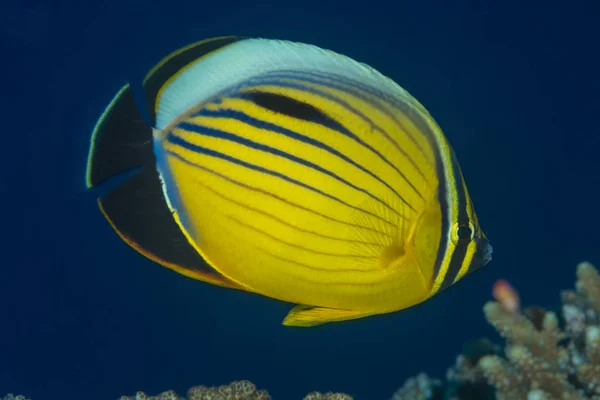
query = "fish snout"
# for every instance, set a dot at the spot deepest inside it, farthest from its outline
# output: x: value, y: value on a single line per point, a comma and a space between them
x: 486, y: 252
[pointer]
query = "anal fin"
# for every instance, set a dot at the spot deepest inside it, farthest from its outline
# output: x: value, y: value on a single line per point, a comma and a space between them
x: 149, y: 228
x: 302, y: 315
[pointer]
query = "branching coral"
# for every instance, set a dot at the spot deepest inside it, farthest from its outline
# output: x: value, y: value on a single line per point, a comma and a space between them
x: 536, y: 361
x: 237, y: 390
x: 544, y: 358
x: 550, y: 363
x: 420, y: 387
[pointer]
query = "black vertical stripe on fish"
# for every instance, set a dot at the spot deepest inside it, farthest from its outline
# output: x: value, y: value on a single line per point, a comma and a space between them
x: 220, y: 134
x: 458, y: 256
x: 354, y: 88
x: 357, y: 113
x: 176, y: 61
x: 442, y: 196
x: 216, y: 154
x: 268, y: 126
x: 272, y: 195
x: 463, y: 213
x: 456, y: 262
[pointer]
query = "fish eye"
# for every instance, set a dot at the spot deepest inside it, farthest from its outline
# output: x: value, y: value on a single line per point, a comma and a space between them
x: 463, y: 232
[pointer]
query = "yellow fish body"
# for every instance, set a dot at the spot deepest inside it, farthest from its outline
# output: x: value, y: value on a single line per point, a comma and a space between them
x: 290, y: 171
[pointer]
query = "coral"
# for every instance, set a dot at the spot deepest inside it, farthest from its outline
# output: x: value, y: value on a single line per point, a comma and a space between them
x: 327, y: 396
x: 553, y: 364
x: 536, y: 361
x: 11, y: 396
x: 237, y: 390
x: 545, y: 357
x: 420, y: 387
x: 465, y: 379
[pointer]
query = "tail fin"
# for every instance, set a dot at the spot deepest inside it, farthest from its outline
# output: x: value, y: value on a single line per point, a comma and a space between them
x: 137, y: 209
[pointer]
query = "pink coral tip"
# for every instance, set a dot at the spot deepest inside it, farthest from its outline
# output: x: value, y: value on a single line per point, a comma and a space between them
x: 506, y: 295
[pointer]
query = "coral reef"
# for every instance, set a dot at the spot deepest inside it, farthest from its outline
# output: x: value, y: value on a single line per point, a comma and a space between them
x: 545, y: 357
x: 11, y: 396
x: 237, y: 390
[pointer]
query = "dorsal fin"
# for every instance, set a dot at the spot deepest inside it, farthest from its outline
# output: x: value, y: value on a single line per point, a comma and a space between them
x: 181, y: 82
x: 169, y: 66
x: 126, y: 130
x: 137, y: 208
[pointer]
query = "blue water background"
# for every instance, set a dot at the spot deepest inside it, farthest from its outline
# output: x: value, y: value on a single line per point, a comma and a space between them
x: 514, y: 85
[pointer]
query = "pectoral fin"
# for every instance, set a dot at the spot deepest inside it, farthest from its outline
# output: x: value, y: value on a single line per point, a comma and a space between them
x: 302, y: 315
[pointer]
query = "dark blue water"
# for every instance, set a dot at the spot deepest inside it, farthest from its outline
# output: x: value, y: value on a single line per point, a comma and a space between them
x: 515, y: 88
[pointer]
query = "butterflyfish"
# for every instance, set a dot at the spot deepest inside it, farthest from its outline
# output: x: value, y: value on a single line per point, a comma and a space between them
x: 287, y: 170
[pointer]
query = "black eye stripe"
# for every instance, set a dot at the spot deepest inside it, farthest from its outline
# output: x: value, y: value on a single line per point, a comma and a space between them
x: 464, y: 232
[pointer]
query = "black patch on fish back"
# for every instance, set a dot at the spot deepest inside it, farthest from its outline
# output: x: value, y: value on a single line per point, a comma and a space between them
x: 123, y: 140
x: 292, y: 107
